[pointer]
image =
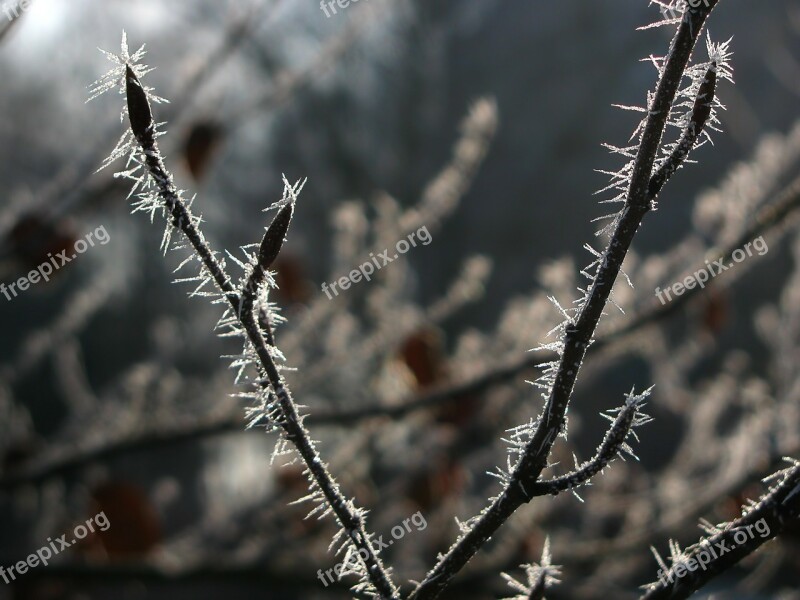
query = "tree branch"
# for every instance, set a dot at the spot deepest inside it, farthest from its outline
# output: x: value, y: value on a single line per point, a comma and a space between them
x: 731, y: 542
x: 579, y: 332
x: 613, y: 444
x: 349, y: 517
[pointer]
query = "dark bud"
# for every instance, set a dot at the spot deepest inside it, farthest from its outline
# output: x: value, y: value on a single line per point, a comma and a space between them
x: 273, y: 238
x: 704, y: 99
x: 139, y: 111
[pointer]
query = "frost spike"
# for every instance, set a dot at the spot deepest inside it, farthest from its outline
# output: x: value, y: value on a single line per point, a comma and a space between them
x: 701, y: 112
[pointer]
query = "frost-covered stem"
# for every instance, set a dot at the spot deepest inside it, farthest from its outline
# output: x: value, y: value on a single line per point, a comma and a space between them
x: 613, y: 443
x: 350, y: 518
x: 777, y: 509
x: 578, y: 334
x: 143, y: 127
x: 697, y: 122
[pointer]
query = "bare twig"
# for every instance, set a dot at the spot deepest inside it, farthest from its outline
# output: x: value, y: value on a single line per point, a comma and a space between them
x: 350, y: 518
x: 578, y: 333
x: 613, y: 444
x: 729, y: 543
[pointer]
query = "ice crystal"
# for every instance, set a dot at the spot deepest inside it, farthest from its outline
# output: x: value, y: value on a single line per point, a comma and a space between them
x: 538, y: 577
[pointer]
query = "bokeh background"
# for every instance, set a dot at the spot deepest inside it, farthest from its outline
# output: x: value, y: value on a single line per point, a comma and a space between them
x: 113, y: 394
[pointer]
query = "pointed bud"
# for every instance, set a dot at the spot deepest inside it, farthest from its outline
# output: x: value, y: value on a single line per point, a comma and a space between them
x: 141, y: 116
x: 274, y: 237
x: 705, y: 99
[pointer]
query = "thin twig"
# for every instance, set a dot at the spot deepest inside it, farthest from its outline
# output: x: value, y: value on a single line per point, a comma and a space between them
x: 730, y: 543
x: 579, y: 333
x: 349, y: 517
x: 613, y: 444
